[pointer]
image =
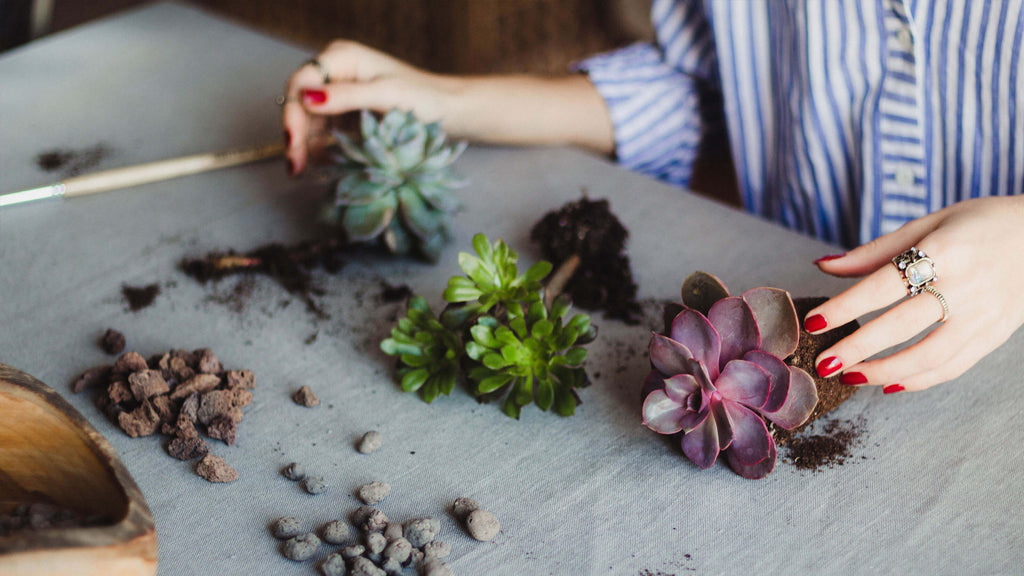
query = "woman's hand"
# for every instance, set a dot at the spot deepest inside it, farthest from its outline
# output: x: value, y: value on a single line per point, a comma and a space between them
x: 514, y: 109
x: 976, y: 246
x: 360, y: 78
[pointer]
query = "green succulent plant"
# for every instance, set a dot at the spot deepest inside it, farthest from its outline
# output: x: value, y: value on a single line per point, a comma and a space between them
x: 536, y: 357
x: 397, y: 184
x: 429, y: 352
x: 498, y: 334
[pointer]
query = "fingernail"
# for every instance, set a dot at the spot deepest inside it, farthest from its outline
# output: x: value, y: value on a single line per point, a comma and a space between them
x: 853, y: 378
x: 893, y: 388
x: 314, y: 96
x: 815, y: 323
x: 291, y: 167
x: 829, y: 366
x: 829, y: 257
x: 287, y: 139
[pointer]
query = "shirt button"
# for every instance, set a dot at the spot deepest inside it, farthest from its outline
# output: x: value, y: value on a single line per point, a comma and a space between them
x: 905, y: 39
x: 905, y: 177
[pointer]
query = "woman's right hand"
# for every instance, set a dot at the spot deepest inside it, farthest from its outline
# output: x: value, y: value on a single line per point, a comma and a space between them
x: 360, y: 78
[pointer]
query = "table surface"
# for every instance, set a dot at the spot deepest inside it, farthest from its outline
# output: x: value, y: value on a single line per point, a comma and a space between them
x: 935, y: 486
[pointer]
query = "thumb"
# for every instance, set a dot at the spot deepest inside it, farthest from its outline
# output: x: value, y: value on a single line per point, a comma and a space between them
x: 869, y: 257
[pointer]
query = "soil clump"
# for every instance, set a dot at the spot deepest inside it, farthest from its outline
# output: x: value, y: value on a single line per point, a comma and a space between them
x: 603, y: 281
x: 139, y: 297
x: 829, y: 449
x: 71, y: 162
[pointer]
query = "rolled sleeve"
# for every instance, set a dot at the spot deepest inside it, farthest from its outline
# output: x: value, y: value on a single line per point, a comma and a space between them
x: 654, y: 108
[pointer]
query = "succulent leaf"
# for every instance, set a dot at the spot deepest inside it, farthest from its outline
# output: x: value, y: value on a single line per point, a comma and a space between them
x: 776, y: 318
x: 701, y: 444
x: 736, y: 328
x: 800, y: 401
x: 402, y: 167
x: 695, y: 332
x: 701, y: 290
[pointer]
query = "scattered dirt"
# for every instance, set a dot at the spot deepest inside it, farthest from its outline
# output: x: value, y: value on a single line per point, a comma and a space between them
x: 305, y: 397
x: 290, y: 266
x: 139, y: 297
x: 391, y: 293
x: 830, y: 449
x: 112, y: 341
x: 590, y: 231
x: 71, y: 162
x: 43, y: 516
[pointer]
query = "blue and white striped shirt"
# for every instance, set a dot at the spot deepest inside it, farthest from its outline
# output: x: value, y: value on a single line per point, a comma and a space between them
x: 846, y: 119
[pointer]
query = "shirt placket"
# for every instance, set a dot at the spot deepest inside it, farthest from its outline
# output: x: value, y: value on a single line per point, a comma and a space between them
x: 900, y: 137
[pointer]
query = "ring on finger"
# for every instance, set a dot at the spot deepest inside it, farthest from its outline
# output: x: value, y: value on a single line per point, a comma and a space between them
x: 282, y: 100
x: 916, y: 270
x: 942, y: 300
x: 315, y: 63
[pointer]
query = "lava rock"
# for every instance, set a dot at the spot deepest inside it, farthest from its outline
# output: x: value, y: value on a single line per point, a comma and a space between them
x: 305, y: 397
x: 128, y: 363
x: 188, y: 448
x: 112, y: 341
x: 201, y: 383
x: 215, y: 469
x: 224, y: 428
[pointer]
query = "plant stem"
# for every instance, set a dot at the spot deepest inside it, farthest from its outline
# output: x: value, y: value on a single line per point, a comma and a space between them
x: 560, y: 278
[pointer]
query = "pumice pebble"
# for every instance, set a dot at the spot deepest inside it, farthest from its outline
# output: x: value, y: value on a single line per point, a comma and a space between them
x: 294, y: 471
x: 393, y: 531
x: 373, y: 492
x: 435, y: 567
x: 352, y: 551
x: 363, y: 567
x: 301, y: 547
x: 482, y: 525
x: 375, y: 543
x: 376, y: 521
x: 436, y: 549
x: 314, y: 484
x: 370, y: 442
x: 334, y: 532
x: 462, y: 507
x: 333, y: 565
x: 421, y: 531
x: 392, y: 567
x: 286, y: 527
x: 398, y: 550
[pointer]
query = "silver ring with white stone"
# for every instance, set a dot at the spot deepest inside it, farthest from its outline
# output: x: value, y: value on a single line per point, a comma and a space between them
x: 942, y: 300
x: 916, y: 270
x: 320, y: 69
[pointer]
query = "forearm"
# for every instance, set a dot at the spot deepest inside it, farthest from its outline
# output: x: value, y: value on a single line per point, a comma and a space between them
x: 528, y: 110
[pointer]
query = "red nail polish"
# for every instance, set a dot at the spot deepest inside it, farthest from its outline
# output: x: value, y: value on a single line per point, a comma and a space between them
x: 893, y: 388
x: 815, y: 323
x: 314, y: 96
x: 829, y: 366
x: 829, y: 257
x: 853, y: 378
x: 287, y: 139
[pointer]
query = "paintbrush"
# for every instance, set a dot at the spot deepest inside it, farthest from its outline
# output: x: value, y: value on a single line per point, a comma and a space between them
x: 142, y: 174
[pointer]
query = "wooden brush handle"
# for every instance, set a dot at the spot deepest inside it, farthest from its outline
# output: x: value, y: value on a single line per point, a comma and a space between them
x: 165, y: 169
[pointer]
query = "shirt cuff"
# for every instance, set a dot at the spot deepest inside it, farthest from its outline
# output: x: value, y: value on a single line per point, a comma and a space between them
x: 654, y: 108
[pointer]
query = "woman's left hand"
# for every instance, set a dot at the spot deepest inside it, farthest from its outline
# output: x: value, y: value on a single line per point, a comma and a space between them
x: 977, y: 248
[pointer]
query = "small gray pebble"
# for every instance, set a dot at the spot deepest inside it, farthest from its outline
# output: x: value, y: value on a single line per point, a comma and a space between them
x: 286, y: 527
x: 375, y: 522
x: 398, y: 550
x: 392, y: 567
x: 352, y: 551
x: 294, y: 471
x: 434, y: 567
x: 363, y: 567
x: 393, y: 531
x: 375, y: 542
x: 421, y: 530
x: 462, y: 507
x: 373, y: 492
x: 415, y: 557
x: 359, y: 515
x: 315, y: 484
x: 375, y: 558
x: 482, y: 525
x: 301, y: 547
x: 437, y: 549
x: 370, y: 442
x: 333, y: 565
x: 334, y: 532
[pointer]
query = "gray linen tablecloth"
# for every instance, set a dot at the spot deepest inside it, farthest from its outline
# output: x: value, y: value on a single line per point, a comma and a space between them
x: 934, y: 487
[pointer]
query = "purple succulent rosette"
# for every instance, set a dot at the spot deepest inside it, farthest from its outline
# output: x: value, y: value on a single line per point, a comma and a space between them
x: 720, y: 372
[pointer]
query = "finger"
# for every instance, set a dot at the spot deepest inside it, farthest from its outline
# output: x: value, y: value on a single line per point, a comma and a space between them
x: 934, y: 350
x: 901, y: 323
x: 881, y: 288
x: 296, y: 120
x: 881, y: 250
x: 337, y: 98
x: 955, y: 367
